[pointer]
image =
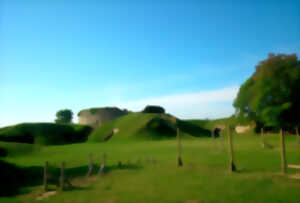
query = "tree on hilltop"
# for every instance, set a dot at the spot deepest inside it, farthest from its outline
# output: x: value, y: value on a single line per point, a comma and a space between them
x: 153, y: 109
x: 64, y: 116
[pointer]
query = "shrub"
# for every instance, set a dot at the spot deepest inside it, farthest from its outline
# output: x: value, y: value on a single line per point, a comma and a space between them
x: 45, y: 133
x: 154, y: 109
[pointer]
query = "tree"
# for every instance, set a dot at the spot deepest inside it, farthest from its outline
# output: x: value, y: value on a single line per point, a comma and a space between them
x: 271, y: 96
x: 154, y: 109
x: 64, y: 116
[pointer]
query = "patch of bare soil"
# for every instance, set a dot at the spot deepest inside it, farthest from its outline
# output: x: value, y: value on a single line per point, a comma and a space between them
x: 46, y: 195
x: 295, y: 176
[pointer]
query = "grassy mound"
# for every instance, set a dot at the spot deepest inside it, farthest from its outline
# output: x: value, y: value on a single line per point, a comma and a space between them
x: 10, y: 149
x: 147, y: 126
x: 45, y: 133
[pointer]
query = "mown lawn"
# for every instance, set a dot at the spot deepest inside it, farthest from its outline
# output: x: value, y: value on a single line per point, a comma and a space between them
x: 204, y: 176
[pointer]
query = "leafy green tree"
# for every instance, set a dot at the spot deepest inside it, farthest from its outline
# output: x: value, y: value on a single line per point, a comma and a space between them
x: 271, y: 96
x: 64, y: 116
x: 153, y: 109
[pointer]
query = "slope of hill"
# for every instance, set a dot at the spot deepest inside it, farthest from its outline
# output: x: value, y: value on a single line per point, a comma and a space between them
x: 45, y: 133
x: 147, y: 126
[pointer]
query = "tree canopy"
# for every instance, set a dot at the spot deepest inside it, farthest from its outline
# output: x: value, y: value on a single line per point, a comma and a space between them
x: 153, y: 109
x: 64, y: 116
x: 271, y: 96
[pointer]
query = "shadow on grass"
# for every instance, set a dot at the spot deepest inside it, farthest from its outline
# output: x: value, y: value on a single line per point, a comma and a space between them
x: 14, y: 178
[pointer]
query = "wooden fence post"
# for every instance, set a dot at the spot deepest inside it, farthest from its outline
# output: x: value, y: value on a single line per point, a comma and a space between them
x: 45, y: 177
x: 231, y: 162
x: 119, y: 164
x: 62, y: 176
x: 90, y: 165
x: 153, y: 160
x: 222, y: 140
x: 179, y: 149
x: 103, y: 165
x: 297, y: 135
x: 283, y: 159
x: 212, y: 133
x: 213, y: 138
x: 262, y: 138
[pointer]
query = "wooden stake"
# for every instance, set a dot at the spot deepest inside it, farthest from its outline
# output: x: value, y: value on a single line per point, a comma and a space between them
x: 212, y: 134
x: 179, y: 149
x: 62, y: 176
x: 262, y: 138
x: 45, y: 177
x: 297, y: 135
x: 90, y: 165
x: 231, y: 162
x: 119, y: 164
x: 103, y: 165
x: 104, y: 159
x: 222, y: 140
x: 283, y: 159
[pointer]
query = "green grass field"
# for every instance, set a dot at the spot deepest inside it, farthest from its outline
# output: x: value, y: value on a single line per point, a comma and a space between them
x: 204, y: 176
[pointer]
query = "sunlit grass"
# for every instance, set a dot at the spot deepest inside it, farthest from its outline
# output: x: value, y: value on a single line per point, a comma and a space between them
x: 204, y: 176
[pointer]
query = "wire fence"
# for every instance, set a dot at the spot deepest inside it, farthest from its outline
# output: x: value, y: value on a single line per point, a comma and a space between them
x: 60, y: 174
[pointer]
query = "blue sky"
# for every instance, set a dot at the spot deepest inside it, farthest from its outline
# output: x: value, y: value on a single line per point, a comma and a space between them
x: 189, y: 56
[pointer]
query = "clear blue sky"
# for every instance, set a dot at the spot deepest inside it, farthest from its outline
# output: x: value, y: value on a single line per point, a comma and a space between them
x: 81, y: 54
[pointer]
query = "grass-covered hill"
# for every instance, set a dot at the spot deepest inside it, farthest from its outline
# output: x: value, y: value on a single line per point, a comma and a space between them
x: 45, y: 133
x: 146, y: 126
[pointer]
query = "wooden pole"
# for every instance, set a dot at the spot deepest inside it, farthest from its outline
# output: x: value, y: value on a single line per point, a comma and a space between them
x: 104, y: 159
x: 45, y: 177
x: 212, y: 134
x: 103, y: 165
x: 283, y: 159
x: 179, y: 149
x: 119, y: 164
x: 62, y: 176
x: 231, y: 162
x: 262, y: 138
x: 90, y: 165
x: 297, y: 135
x: 222, y: 140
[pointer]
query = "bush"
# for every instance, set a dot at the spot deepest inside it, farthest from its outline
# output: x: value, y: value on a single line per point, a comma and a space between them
x: 45, y: 133
x: 192, y: 129
x: 2, y: 152
x: 162, y: 127
x: 154, y: 109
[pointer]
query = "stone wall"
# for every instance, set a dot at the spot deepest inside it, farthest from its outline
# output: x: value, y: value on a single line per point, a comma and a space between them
x: 97, y: 116
x: 242, y: 128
